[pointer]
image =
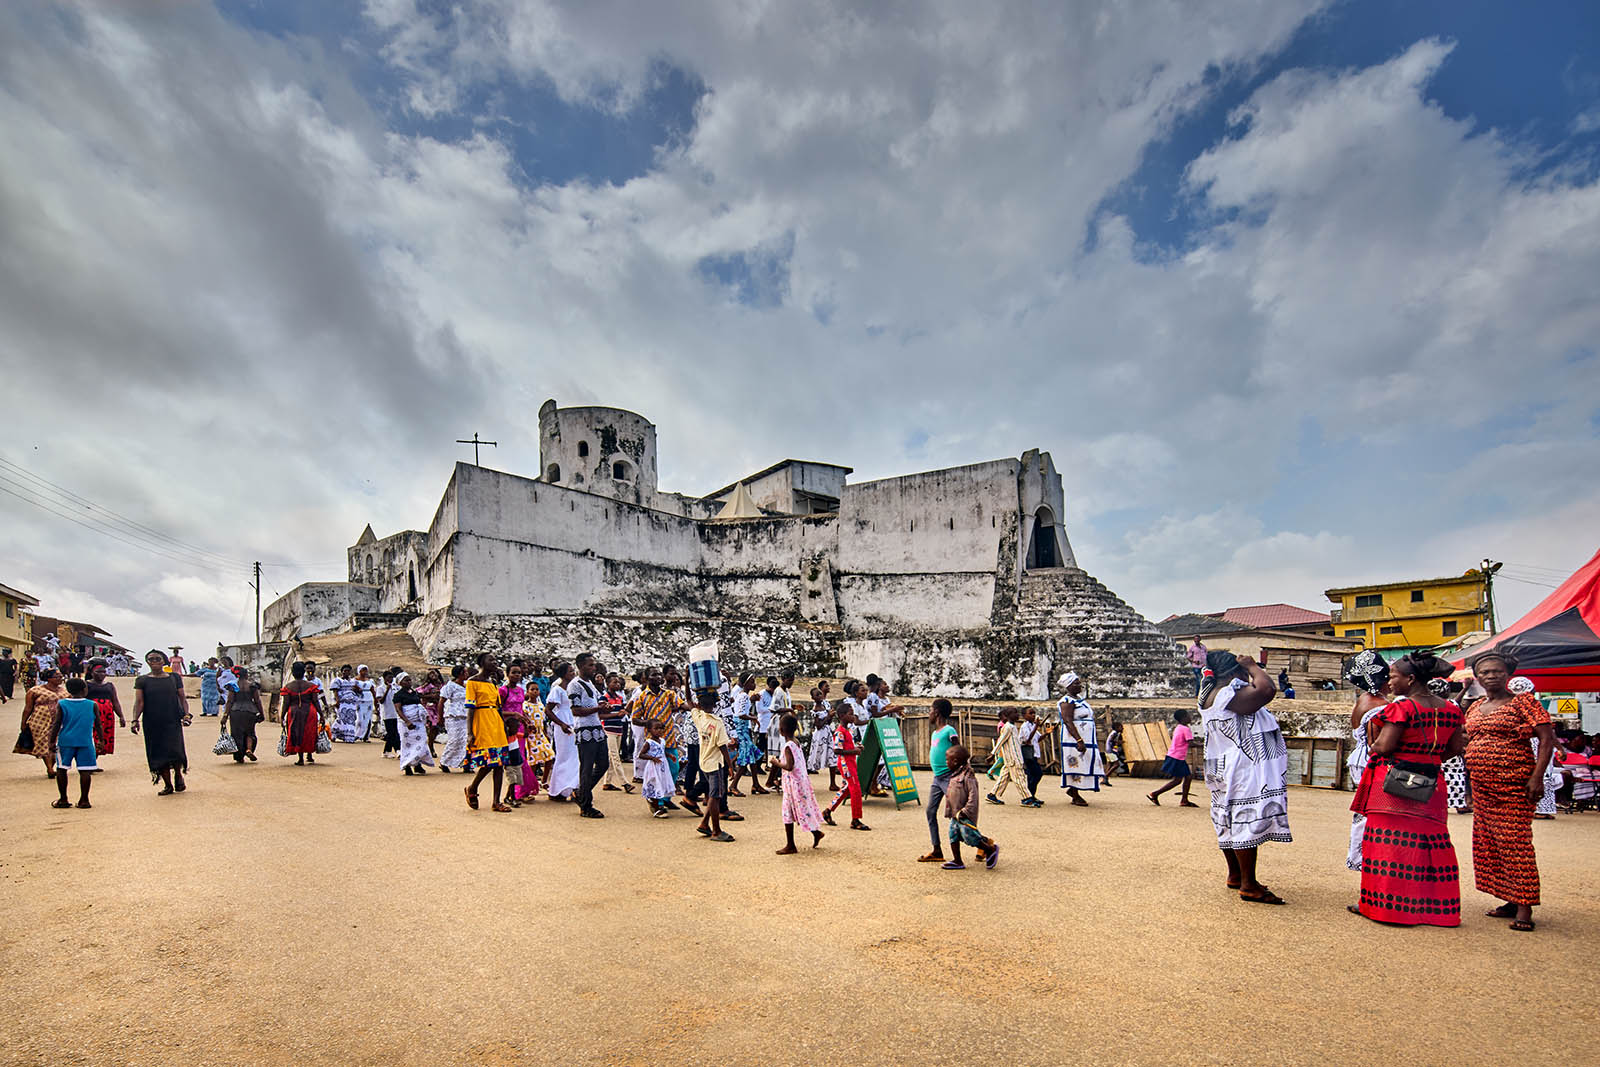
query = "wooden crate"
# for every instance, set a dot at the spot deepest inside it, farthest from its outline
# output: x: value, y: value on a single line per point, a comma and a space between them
x: 1317, y: 762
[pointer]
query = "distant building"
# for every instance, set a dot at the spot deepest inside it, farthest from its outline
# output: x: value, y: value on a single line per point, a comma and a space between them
x: 957, y: 582
x: 16, y: 631
x: 89, y: 639
x: 1399, y: 617
x: 1278, y: 636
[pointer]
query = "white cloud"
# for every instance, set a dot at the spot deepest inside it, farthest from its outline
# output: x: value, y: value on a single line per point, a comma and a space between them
x: 277, y: 315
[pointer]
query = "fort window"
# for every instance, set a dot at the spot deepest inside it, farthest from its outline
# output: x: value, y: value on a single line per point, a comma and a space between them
x: 1042, y: 546
x: 621, y: 471
x: 583, y: 449
x: 1416, y: 596
x: 1388, y: 629
x: 1371, y: 600
x: 554, y: 473
x: 1449, y: 629
x: 411, y: 584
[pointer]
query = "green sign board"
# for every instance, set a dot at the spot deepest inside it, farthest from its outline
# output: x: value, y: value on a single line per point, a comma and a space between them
x: 884, y: 745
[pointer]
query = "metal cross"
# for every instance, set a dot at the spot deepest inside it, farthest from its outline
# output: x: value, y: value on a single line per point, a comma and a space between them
x: 475, y: 443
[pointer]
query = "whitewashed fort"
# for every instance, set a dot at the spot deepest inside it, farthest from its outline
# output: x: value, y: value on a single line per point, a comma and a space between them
x: 957, y: 582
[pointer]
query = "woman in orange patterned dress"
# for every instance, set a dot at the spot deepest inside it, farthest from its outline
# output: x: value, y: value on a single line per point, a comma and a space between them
x: 1507, y: 781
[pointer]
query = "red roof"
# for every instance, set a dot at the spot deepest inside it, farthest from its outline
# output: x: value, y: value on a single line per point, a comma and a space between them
x: 1267, y: 616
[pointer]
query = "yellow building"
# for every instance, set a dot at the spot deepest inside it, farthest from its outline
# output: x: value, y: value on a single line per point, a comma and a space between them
x: 16, y: 630
x: 1402, y: 616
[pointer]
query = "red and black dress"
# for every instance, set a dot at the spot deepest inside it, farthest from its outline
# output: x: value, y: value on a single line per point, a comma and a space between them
x: 1408, y: 865
x: 301, y: 721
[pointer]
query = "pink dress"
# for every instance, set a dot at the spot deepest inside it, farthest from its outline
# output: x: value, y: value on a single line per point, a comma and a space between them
x: 799, y: 802
x: 512, y: 699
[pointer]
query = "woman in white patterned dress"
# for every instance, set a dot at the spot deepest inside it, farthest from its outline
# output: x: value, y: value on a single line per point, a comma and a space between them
x: 1247, y: 768
x: 1082, y: 765
x: 1369, y: 673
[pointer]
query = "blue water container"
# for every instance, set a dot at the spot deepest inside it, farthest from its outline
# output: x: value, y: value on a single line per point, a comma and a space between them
x: 703, y: 670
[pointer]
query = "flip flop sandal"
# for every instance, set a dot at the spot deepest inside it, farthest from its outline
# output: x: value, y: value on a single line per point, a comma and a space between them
x: 993, y: 857
x: 500, y: 807
x: 1187, y: 804
x: 1152, y: 798
x: 61, y: 803
x: 952, y: 865
x: 472, y: 799
x: 1523, y: 925
x: 1266, y: 896
x: 936, y: 858
x: 1504, y: 911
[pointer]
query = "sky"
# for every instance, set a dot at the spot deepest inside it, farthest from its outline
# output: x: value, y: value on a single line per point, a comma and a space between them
x: 1298, y: 294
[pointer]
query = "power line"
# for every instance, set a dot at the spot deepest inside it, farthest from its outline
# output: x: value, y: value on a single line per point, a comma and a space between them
x: 198, y: 564
x: 92, y: 512
x: 68, y: 498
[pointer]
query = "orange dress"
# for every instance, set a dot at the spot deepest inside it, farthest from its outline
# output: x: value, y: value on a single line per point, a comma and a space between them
x: 1499, y: 764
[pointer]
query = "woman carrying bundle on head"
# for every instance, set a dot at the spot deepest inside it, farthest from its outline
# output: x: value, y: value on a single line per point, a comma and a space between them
x: 1247, y: 768
x: 1409, y: 875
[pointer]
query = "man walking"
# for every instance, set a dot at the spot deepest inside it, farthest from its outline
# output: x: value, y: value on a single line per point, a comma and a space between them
x: 1197, y: 661
x: 944, y: 735
x: 590, y: 735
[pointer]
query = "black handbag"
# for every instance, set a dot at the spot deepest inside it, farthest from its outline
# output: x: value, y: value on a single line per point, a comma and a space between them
x: 24, y: 739
x: 1412, y: 781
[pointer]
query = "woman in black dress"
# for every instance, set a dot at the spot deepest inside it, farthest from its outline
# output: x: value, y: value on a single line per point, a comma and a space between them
x: 158, y: 699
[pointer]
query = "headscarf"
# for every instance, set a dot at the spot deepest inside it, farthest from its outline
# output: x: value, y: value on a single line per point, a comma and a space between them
x: 403, y: 678
x: 1219, y: 666
x: 1367, y: 672
x: 1520, y: 685
x: 1494, y: 653
x: 1067, y: 679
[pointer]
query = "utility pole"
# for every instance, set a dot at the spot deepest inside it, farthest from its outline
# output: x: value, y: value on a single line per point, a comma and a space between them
x: 474, y: 442
x: 1489, y: 569
x: 257, y: 586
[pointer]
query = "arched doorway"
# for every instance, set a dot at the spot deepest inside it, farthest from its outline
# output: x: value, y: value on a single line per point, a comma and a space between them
x: 411, y: 585
x: 1042, y: 545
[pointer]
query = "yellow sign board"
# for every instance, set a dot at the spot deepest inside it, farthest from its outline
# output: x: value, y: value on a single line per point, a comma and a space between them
x: 1567, y: 706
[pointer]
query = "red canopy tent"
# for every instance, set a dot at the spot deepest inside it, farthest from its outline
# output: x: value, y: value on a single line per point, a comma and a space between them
x: 1557, y: 644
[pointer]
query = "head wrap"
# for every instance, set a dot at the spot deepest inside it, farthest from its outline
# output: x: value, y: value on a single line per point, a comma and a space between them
x: 1221, y: 665
x: 1367, y: 671
x: 1439, y: 687
x: 402, y: 678
x: 1494, y: 653
x: 361, y: 668
x: 1067, y: 679
x: 1520, y: 685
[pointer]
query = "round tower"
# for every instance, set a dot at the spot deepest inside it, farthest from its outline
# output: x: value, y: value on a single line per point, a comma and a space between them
x: 607, y: 451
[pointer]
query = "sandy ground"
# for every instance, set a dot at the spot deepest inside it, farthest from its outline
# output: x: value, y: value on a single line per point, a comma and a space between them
x: 345, y: 914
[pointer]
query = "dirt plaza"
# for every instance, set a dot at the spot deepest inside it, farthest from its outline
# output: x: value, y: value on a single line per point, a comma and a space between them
x: 345, y: 914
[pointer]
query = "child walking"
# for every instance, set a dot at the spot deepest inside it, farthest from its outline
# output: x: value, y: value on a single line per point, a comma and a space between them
x: 716, y: 752
x: 1176, y: 765
x: 799, y: 802
x: 846, y: 750
x: 651, y: 759
x: 961, y: 807
x: 72, y: 739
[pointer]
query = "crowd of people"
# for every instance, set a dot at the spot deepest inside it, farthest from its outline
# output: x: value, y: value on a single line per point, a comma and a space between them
x: 1422, y: 746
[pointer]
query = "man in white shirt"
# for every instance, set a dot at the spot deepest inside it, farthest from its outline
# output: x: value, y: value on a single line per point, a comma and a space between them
x: 590, y: 735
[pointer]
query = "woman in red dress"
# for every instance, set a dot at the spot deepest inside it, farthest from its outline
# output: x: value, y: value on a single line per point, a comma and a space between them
x: 1409, y: 875
x: 301, y: 719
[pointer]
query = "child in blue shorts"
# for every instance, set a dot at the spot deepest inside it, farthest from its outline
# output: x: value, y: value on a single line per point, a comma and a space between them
x: 74, y: 741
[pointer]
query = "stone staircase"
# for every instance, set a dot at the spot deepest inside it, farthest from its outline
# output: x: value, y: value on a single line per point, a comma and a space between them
x: 1088, y: 629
